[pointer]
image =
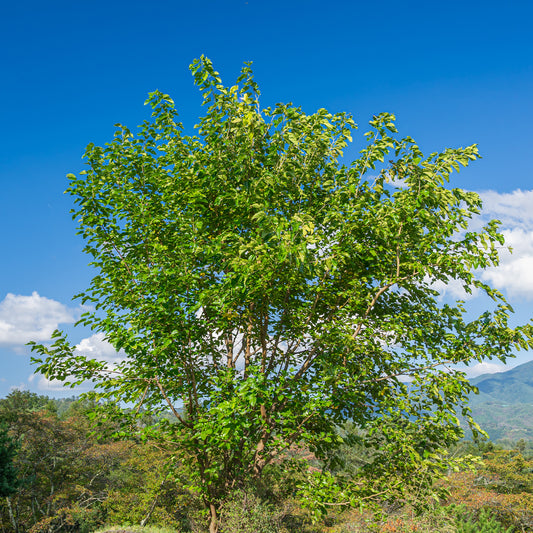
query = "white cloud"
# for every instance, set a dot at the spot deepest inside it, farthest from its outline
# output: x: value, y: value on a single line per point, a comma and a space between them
x: 96, y: 347
x: 93, y: 347
x: 515, y: 211
x: 26, y: 318
x: 514, y: 275
x: 485, y: 368
x: 454, y: 289
x: 20, y: 386
x: 51, y: 385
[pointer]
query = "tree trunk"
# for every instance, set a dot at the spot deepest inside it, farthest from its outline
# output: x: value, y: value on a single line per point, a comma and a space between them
x: 213, y: 524
x: 144, y: 521
x: 11, y: 515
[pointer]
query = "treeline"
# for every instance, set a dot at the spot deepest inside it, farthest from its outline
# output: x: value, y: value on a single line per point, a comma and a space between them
x: 71, y: 478
x: 64, y: 470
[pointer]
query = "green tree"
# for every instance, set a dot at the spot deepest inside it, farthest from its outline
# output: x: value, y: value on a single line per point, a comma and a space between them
x: 265, y: 292
x: 8, y: 473
x: 48, y: 460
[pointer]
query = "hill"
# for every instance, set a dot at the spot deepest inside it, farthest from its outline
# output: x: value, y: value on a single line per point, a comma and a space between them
x: 510, y: 387
x: 504, y: 405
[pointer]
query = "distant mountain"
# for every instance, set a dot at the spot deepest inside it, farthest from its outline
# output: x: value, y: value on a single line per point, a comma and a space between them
x: 514, y: 386
x: 504, y: 405
x: 504, y: 422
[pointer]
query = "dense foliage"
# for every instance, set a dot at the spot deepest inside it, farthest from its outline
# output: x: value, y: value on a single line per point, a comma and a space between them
x: 265, y: 292
x: 8, y: 473
x: 72, y: 479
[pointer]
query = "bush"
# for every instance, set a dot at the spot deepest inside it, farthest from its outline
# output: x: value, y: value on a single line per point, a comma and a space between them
x: 246, y: 513
x: 485, y: 522
x: 70, y: 520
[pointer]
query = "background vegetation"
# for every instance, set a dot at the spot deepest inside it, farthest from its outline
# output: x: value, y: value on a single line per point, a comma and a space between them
x: 73, y: 475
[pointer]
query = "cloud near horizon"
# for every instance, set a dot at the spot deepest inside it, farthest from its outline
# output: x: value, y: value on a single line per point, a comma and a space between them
x: 485, y: 368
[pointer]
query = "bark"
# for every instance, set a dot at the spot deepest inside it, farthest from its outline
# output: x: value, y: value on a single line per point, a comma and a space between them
x: 11, y: 515
x: 259, y: 461
x: 213, y: 524
x: 144, y: 521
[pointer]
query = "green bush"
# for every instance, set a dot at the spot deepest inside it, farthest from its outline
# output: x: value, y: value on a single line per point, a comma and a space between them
x: 246, y: 513
x: 485, y: 522
x: 69, y: 520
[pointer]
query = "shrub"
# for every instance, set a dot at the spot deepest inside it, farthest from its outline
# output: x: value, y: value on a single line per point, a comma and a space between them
x: 484, y: 522
x: 70, y: 520
x: 246, y: 513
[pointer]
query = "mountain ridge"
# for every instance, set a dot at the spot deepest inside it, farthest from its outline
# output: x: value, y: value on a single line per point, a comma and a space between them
x: 514, y: 386
x: 504, y: 405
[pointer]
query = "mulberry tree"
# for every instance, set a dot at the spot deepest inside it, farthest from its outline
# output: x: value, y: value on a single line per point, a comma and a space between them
x: 265, y: 291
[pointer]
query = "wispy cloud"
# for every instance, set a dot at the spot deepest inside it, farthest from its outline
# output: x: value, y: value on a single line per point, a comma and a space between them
x: 514, y: 209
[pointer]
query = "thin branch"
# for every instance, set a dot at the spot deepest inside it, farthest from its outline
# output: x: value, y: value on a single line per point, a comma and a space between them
x: 142, y: 399
x: 376, y: 298
x: 167, y: 399
x: 407, y: 372
x: 398, y: 252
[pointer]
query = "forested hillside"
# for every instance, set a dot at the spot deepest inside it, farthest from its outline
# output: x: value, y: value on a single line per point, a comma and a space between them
x: 504, y: 405
x: 514, y: 386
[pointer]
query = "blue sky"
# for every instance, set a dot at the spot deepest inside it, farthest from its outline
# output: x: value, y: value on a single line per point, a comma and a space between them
x: 454, y: 73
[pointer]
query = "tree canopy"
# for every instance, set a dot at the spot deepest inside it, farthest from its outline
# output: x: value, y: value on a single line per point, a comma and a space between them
x: 266, y: 292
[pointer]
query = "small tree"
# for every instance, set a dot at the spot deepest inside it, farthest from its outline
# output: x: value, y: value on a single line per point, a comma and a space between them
x: 265, y: 292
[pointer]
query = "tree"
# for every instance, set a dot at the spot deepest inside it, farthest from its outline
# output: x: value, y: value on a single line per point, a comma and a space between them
x: 8, y: 474
x: 48, y: 462
x: 265, y: 292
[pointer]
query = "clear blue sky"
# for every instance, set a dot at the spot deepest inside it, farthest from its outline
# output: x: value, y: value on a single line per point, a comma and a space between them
x: 454, y: 73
